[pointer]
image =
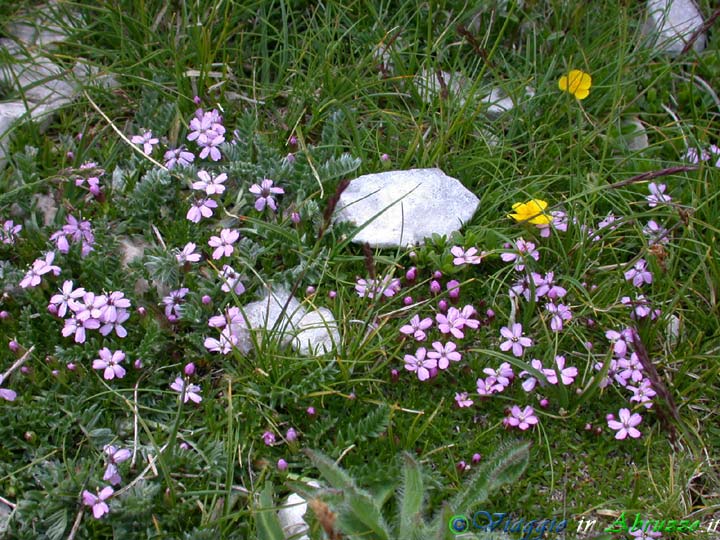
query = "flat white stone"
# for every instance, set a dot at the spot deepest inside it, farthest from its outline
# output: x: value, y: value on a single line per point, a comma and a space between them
x: 291, y: 515
x: 308, y: 332
x: 317, y: 333
x: 402, y: 208
x: 671, y: 23
x: 636, y: 136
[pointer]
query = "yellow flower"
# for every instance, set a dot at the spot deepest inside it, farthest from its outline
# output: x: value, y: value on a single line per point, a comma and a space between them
x: 531, y: 212
x: 577, y: 82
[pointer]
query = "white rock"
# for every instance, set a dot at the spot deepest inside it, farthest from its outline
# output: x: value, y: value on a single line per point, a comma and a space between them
x: 308, y: 332
x: 499, y: 102
x: 402, y: 208
x: 635, y: 134
x: 671, y: 24
x: 291, y: 515
x: 47, y: 205
x: 45, y: 25
x: 317, y: 333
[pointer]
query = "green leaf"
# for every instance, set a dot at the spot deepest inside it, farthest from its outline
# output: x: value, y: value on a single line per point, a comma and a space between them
x: 332, y: 473
x: 266, y: 519
x: 410, y: 498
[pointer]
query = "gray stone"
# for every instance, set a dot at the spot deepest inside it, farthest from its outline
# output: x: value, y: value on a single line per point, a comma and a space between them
x: 47, y: 24
x: 499, y: 102
x: 308, y: 332
x: 317, y: 333
x: 292, y: 513
x: 430, y: 84
x: 402, y: 208
x: 635, y: 134
x: 671, y: 23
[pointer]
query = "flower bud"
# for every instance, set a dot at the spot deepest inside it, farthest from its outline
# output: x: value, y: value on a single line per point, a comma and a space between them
x: 411, y: 274
x: 476, y: 458
x: 311, y: 411
x: 544, y: 403
x: 443, y: 306
x: 206, y: 299
x: 4, y: 314
x: 189, y: 369
x: 310, y: 290
x: 408, y: 300
x: 435, y: 287
x: 291, y: 435
x: 282, y: 465
x: 453, y: 287
x: 332, y: 294
x: 14, y: 346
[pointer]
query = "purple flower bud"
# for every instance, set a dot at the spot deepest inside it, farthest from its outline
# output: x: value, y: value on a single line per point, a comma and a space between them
x: 598, y: 430
x: 4, y: 314
x: 196, y: 100
x: 295, y: 217
x: 384, y: 157
x: 268, y: 438
x: 412, y: 255
x: 52, y: 309
x: 437, y: 274
x: 544, y: 402
x: 435, y: 287
x: 311, y: 411
x: 24, y: 370
x: 141, y: 311
x: 282, y: 465
x: 352, y: 396
x: 292, y: 140
x: 206, y: 299
x: 14, y: 345
x: 462, y: 466
x: 443, y: 306
x: 588, y: 345
x: 184, y: 446
x: 394, y: 375
x: 310, y: 290
x: 453, y: 287
x: 70, y: 155
x: 490, y: 314
x: 588, y: 427
x: 189, y: 369
x: 476, y: 458
x: 291, y: 435
x: 433, y: 372
x: 609, y: 416
x: 55, y: 372
x: 408, y: 300
x: 71, y: 366
x: 332, y: 294
x: 411, y: 274
x: 290, y: 158
x: 138, y: 364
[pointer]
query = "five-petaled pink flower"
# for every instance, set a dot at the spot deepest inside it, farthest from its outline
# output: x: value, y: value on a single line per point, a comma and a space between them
x: 515, y: 340
x: 66, y: 297
x: 521, y: 418
x: 465, y: 257
x: 657, y: 195
x: 385, y: 286
x: 186, y: 391
x: 110, y: 362
x: 626, y: 425
x: 6, y: 393
x: 264, y: 193
x: 178, y: 157
x: 462, y: 400
x: 39, y: 268
x: 444, y: 354
x: 201, y: 209
x: 146, y: 140
x: 99, y: 506
x: 567, y: 375
x: 211, y: 185
x: 223, y: 244
x: 420, y: 363
x: 188, y: 254
x: 639, y: 274
x: 115, y: 456
x: 417, y: 327
x: 231, y: 280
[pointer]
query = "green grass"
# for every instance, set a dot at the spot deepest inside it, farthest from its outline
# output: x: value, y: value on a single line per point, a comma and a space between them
x: 282, y: 69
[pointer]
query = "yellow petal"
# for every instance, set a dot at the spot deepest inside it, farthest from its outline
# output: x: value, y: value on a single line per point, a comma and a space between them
x: 563, y: 83
x: 585, y: 81
x: 582, y: 94
x: 539, y: 203
x: 575, y: 77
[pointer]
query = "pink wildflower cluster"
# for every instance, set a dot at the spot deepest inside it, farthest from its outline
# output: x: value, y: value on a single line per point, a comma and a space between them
x: 91, y: 176
x: 90, y: 311
x: 97, y: 500
x: 264, y: 193
x: 74, y: 232
x: 231, y: 325
x: 695, y: 155
x: 386, y: 286
x: 521, y: 251
x: 173, y: 303
x: 208, y: 133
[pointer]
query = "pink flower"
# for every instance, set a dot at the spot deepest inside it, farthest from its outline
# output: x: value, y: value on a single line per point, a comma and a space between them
x: 452, y: 323
x: 66, y: 297
x: 115, y: 456
x: 619, y: 342
x: 208, y: 131
x: 186, y: 391
x: 268, y: 438
x: 264, y: 193
x: 223, y: 243
x: 567, y: 375
x: 530, y: 381
x: 626, y: 425
x: 639, y: 274
x: 420, y: 364
x: 39, y: 268
x: 523, y: 249
x: 173, y: 301
x: 515, y: 340
x: 9, y: 232
x: 6, y: 393
x: 201, y: 209
x: 231, y: 280
x: 211, y: 185
x: 463, y: 400
x: 386, y: 286
x: 110, y: 362
x: 178, y: 157
x: 465, y: 257
x: 503, y: 375
x: 417, y: 327
x: 655, y: 233
x: 99, y: 506
x: 521, y: 419
x: 629, y: 369
x: 188, y: 254
x: 444, y: 354
x: 657, y: 195
x: 643, y: 393
x: 146, y: 140
x: 560, y: 314
x: 487, y: 387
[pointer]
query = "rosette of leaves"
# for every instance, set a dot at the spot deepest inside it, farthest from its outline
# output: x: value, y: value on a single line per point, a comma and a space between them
x: 344, y: 510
